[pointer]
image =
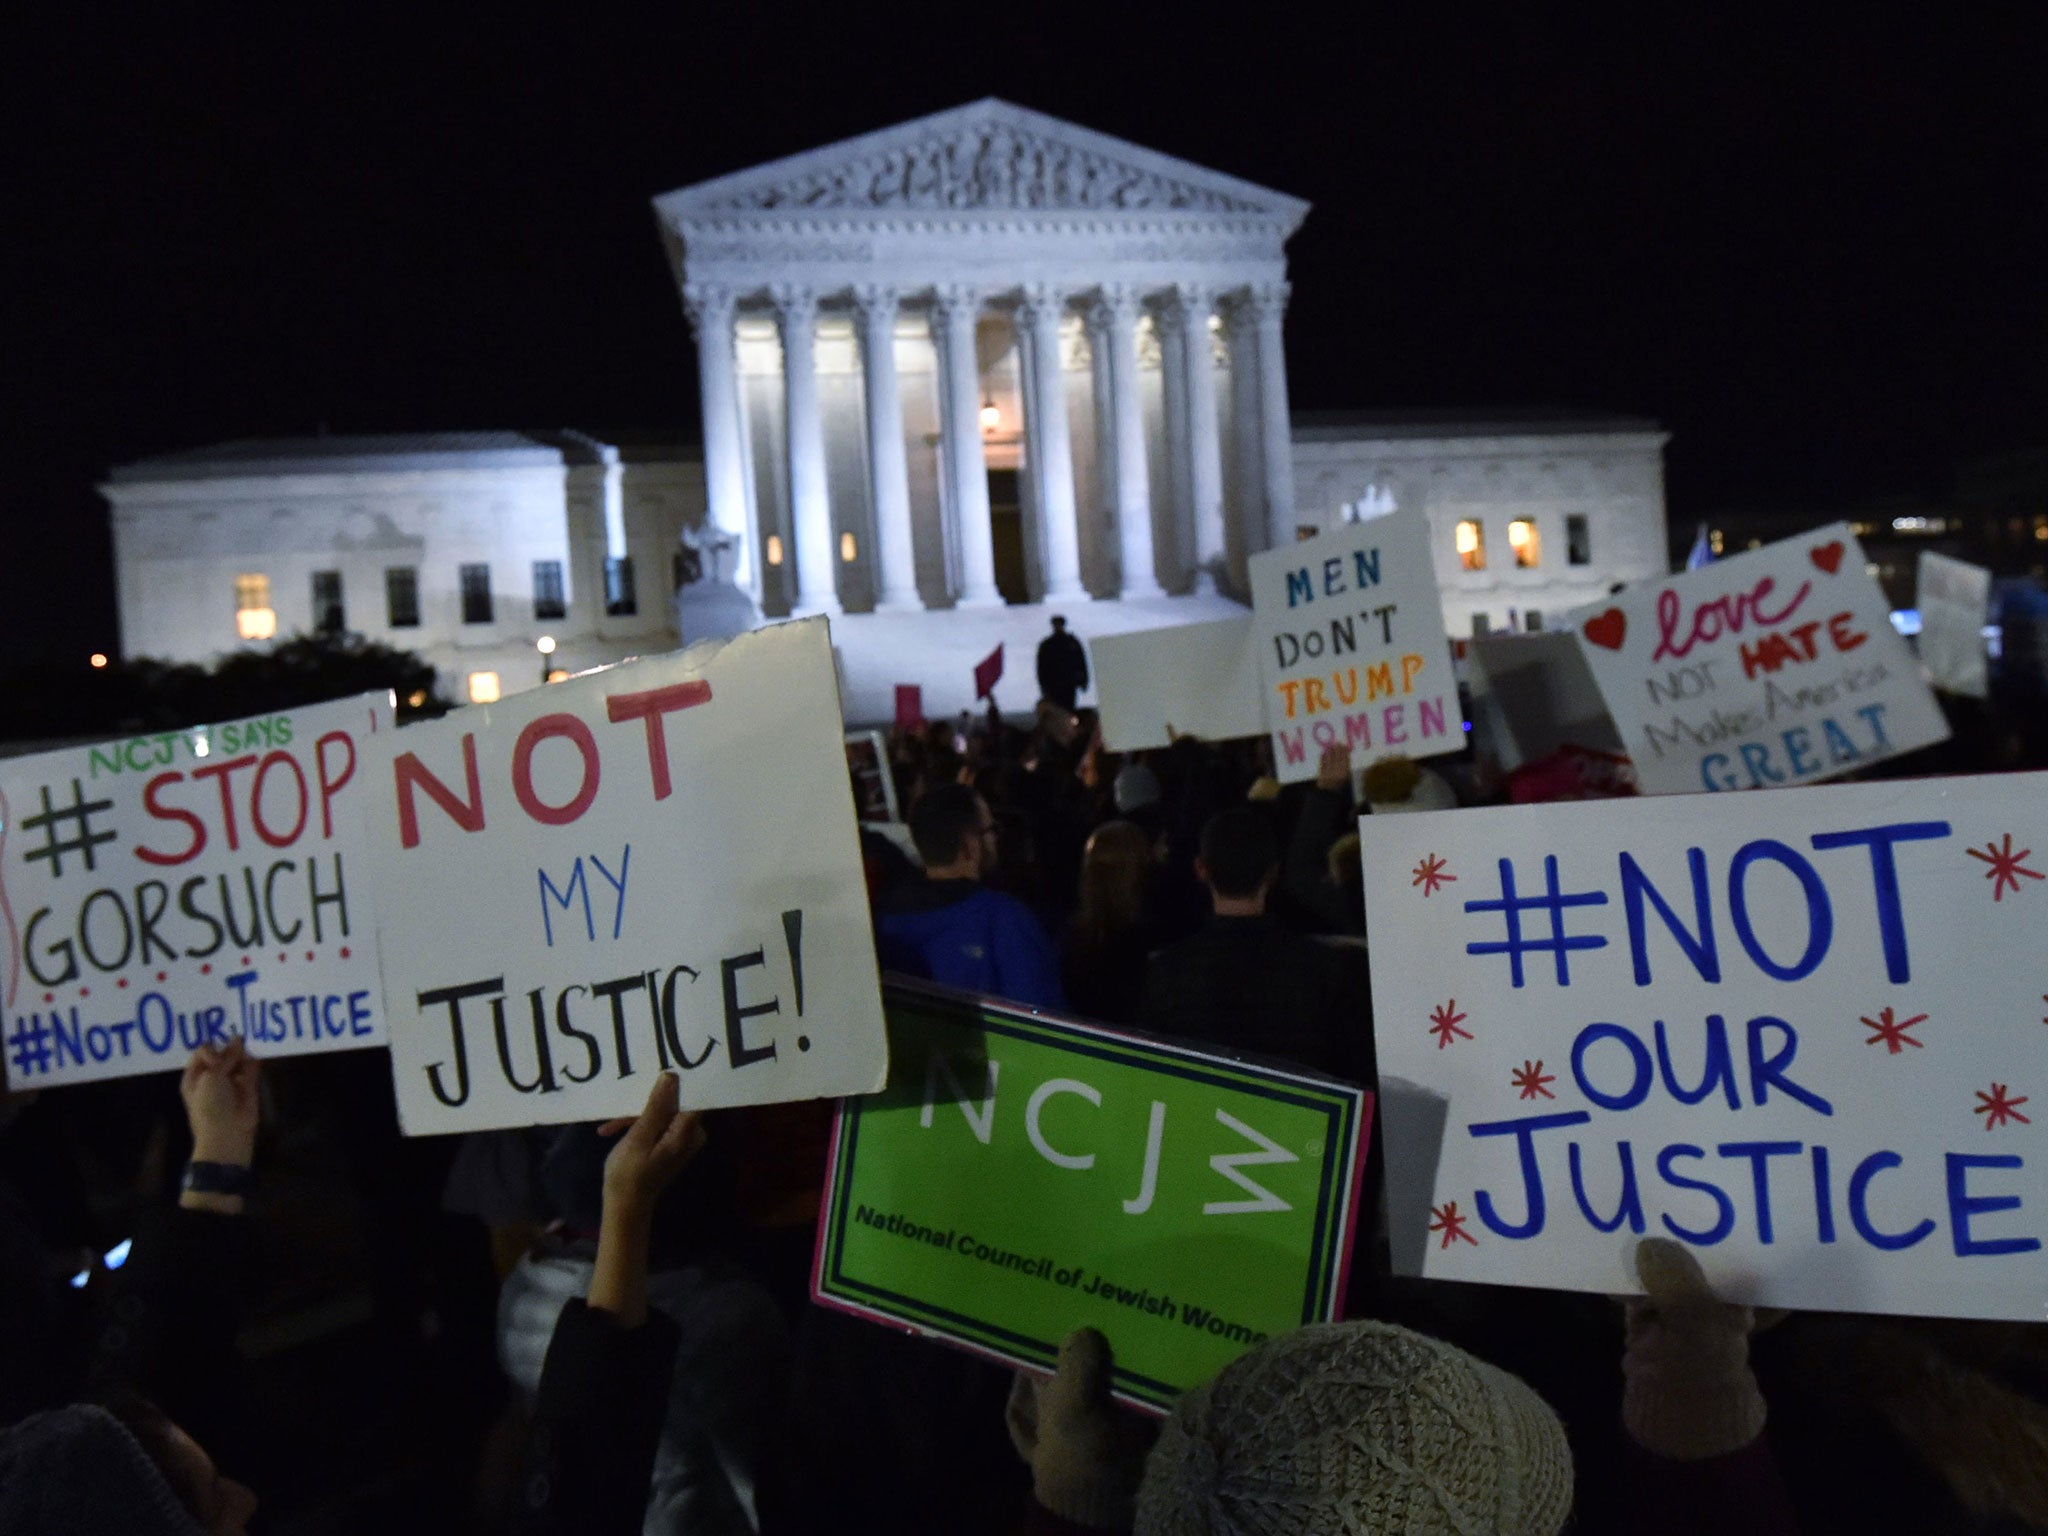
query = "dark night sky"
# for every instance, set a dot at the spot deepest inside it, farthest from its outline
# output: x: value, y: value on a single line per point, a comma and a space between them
x: 1812, y: 246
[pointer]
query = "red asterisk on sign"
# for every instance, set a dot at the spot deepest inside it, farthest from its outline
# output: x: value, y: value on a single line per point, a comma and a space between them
x: 1430, y: 874
x: 1531, y: 1079
x: 1998, y: 1108
x: 2006, y: 867
x: 1444, y: 1024
x: 1892, y: 1034
x: 1451, y: 1224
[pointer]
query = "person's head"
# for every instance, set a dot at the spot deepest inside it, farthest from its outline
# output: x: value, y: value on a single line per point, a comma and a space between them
x: 1059, y: 624
x: 128, y: 1468
x: 1116, y: 873
x: 954, y: 832
x: 1136, y: 787
x: 1240, y: 855
x: 1363, y: 1427
x: 1346, y: 863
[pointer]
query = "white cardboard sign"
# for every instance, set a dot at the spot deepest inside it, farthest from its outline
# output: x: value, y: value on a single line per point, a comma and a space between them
x: 1774, y: 667
x: 162, y: 891
x: 1801, y: 1033
x: 1954, y: 597
x: 1350, y: 634
x: 650, y: 867
x: 1197, y: 680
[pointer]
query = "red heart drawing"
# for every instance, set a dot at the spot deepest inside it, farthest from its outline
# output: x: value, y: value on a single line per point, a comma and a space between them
x: 1607, y: 629
x: 1827, y: 556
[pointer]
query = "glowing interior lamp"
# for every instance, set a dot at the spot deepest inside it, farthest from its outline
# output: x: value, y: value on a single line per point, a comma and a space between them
x: 98, y: 659
x: 483, y: 687
x: 847, y: 548
x: 545, y: 645
x: 775, y: 549
x: 1520, y: 532
x: 1468, y: 538
x: 991, y: 418
x: 417, y: 698
x: 256, y: 623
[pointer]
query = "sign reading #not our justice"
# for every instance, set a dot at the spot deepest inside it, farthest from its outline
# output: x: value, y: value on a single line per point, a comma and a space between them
x: 1801, y: 1032
x: 1350, y: 634
x: 161, y: 892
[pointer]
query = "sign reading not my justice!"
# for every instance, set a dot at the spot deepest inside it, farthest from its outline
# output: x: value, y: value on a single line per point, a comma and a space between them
x: 161, y: 892
x: 1800, y: 1032
x: 648, y: 868
x: 1022, y: 1177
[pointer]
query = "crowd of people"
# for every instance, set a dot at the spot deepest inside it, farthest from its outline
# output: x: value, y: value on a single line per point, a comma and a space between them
x: 606, y: 1328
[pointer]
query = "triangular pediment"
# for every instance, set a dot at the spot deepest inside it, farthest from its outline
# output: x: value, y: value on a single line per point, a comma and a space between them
x: 988, y: 156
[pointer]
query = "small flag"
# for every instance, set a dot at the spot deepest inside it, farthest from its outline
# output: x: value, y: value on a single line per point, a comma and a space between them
x: 909, y: 708
x: 987, y: 672
x: 1702, y: 551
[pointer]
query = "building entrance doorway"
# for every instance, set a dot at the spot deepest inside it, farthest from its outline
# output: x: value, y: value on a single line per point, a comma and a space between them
x: 1006, y: 528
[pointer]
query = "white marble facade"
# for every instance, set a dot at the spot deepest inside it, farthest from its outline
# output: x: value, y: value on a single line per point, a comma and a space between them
x: 573, y: 539
x: 882, y: 323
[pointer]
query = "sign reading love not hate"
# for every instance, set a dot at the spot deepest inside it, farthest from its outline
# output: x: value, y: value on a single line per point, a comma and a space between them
x: 1777, y: 666
x: 1022, y: 1177
x: 1800, y: 1032
x: 653, y: 867
x: 1350, y: 633
x: 186, y: 887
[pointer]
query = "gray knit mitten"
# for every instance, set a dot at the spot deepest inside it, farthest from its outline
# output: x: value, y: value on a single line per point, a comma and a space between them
x: 1688, y: 1393
x: 1086, y: 1454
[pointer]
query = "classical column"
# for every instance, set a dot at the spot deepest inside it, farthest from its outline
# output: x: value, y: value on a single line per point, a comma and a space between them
x: 710, y: 308
x: 810, y: 510
x: 954, y: 312
x: 1115, y: 320
x: 1173, y: 409
x: 888, y: 471
x: 1276, y: 439
x: 1187, y: 312
x: 1254, y: 529
x: 1048, y: 449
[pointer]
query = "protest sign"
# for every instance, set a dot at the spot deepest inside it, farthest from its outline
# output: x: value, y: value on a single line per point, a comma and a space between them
x: 188, y: 886
x: 1954, y: 597
x: 649, y: 867
x: 874, y: 786
x: 1197, y: 680
x: 988, y: 672
x: 1023, y: 1177
x: 1801, y: 1034
x: 1350, y: 634
x: 1777, y: 666
x: 1533, y: 696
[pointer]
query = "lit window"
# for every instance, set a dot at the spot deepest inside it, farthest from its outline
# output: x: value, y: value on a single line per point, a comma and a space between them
x: 1525, y: 542
x: 1472, y: 548
x: 847, y: 548
x: 255, y: 619
x: 483, y: 687
x: 402, y: 596
x: 548, y: 600
x: 476, y: 594
x: 618, y: 587
x: 1578, y: 539
x: 775, y: 549
x: 329, y: 617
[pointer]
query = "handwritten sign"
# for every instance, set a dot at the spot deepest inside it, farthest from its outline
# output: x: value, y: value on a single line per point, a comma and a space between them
x: 1778, y: 666
x: 1022, y: 1177
x: 1350, y: 634
x: 1198, y: 680
x: 1954, y: 597
x: 649, y: 868
x: 1802, y: 1035
x: 167, y: 890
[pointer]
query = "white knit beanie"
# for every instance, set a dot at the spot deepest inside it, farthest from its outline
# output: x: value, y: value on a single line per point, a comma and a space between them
x: 1358, y: 1428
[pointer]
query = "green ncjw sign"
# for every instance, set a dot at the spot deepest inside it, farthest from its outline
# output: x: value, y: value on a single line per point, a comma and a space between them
x: 1020, y: 1177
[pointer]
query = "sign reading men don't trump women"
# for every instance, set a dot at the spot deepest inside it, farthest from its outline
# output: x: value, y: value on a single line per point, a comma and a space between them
x: 161, y: 892
x: 1800, y: 1032
x: 1349, y: 628
x: 653, y: 867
